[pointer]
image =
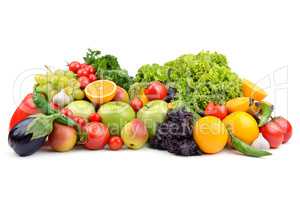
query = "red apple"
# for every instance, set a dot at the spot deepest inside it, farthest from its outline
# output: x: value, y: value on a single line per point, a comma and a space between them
x: 121, y: 95
x: 63, y: 138
x: 135, y: 134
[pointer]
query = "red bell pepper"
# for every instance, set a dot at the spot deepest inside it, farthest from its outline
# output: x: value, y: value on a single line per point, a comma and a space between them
x: 25, y: 109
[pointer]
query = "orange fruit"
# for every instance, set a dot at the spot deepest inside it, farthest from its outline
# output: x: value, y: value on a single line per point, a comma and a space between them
x: 101, y: 91
x: 243, y: 126
x: 251, y: 90
x: 210, y: 134
x: 239, y: 104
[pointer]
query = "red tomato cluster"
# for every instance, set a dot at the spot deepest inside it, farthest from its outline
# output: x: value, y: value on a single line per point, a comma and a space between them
x: 86, y: 73
x: 68, y: 113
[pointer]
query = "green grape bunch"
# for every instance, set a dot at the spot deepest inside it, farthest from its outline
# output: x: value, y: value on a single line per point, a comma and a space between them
x: 52, y: 83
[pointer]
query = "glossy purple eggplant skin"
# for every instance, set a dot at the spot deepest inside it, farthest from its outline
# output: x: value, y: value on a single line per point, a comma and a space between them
x: 20, y: 141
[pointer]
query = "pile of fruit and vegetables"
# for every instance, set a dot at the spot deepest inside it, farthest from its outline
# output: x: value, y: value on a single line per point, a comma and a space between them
x: 189, y: 106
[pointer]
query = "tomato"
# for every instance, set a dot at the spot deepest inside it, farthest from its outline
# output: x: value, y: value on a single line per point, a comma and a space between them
x: 277, y: 131
x: 83, y: 65
x: 285, y: 126
x: 90, y: 69
x: 79, y: 120
x: 97, y: 136
x: 82, y: 72
x: 25, y: 109
x: 216, y: 110
x: 92, y: 77
x: 156, y: 91
x: 95, y: 117
x: 55, y: 106
x: 136, y: 104
x: 115, y: 143
x: 67, y: 112
x: 74, y: 66
x: 84, y: 81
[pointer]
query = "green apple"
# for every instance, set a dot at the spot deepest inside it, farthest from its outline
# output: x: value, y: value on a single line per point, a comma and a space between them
x: 82, y: 108
x: 153, y: 113
x: 116, y: 115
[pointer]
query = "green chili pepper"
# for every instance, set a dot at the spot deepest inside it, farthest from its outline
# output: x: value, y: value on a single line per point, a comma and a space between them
x: 265, y: 112
x: 245, y: 148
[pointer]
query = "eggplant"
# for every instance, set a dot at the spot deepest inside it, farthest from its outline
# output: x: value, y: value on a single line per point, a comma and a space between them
x: 20, y: 140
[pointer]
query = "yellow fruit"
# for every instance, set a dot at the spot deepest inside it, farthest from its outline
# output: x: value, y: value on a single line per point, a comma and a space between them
x: 210, y: 134
x: 251, y: 90
x: 101, y: 91
x: 239, y: 104
x: 143, y: 98
x: 243, y: 126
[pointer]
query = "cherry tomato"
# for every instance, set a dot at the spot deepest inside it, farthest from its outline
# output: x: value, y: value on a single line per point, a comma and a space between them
x: 95, y: 117
x: 115, y: 143
x: 79, y: 120
x: 156, y: 91
x: 216, y: 110
x: 74, y: 66
x: 82, y: 72
x: 90, y: 69
x: 97, y: 135
x: 54, y: 106
x: 67, y: 112
x: 75, y: 118
x: 92, y: 77
x: 83, y: 65
x: 84, y: 81
x: 136, y: 104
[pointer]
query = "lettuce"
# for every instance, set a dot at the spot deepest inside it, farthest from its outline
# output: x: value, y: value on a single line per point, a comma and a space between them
x: 198, y: 79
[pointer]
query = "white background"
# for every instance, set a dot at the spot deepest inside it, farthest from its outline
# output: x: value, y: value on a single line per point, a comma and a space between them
x: 258, y: 38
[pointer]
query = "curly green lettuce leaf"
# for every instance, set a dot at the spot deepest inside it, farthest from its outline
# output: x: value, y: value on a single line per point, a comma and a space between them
x: 198, y: 79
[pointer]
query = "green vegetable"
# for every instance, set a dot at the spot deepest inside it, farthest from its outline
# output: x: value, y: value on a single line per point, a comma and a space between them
x: 198, y: 79
x: 265, y: 111
x: 120, y: 77
x: 42, y: 104
x: 107, y: 62
x: 42, y: 125
x: 245, y: 148
x: 107, y: 67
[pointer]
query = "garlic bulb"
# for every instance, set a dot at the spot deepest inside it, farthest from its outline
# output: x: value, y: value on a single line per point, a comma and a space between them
x: 261, y: 143
x: 61, y: 98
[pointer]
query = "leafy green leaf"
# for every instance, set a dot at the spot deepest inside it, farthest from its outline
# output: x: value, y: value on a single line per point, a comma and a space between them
x: 42, y: 125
